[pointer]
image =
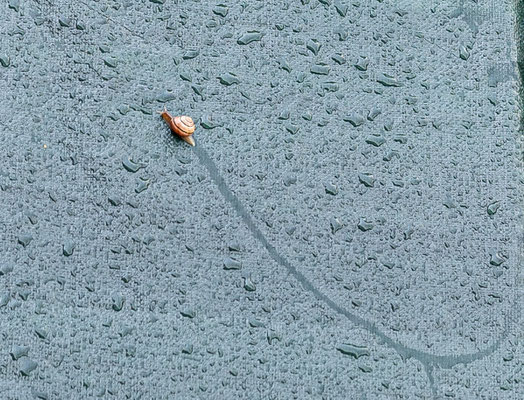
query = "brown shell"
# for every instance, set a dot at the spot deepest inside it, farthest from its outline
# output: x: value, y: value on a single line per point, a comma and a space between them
x: 183, y: 126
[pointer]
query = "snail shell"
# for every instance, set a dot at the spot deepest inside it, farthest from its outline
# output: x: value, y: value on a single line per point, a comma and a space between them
x: 182, y: 126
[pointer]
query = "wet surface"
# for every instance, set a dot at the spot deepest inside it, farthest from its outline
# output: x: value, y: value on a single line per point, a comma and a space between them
x: 348, y: 224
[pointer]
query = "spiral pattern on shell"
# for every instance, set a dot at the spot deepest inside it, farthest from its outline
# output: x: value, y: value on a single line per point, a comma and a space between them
x: 183, y: 126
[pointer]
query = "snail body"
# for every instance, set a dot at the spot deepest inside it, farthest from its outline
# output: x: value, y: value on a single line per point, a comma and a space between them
x: 182, y: 126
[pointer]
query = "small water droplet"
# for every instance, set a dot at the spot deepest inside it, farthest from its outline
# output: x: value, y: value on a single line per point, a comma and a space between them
x: 250, y: 36
x: 353, y: 350
x: 314, y: 46
x: 341, y: 8
x: 5, y: 60
x: 27, y: 366
x: 68, y: 248
x: 320, y: 69
x: 220, y: 9
x: 336, y: 225
x: 354, y: 119
x: 25, y: 239
x: 364, y: 225
x: 232, y: 264
x: 229, y: 79
x: 388, y: 80
x: 142, y: 185
x: 330, y: 188
x: 19, y: 352
x: 493, y: 208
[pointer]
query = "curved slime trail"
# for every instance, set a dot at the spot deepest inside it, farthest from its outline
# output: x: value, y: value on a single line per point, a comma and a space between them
x: 427, y: 359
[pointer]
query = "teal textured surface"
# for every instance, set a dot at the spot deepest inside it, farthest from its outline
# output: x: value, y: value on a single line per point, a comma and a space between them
x: 348, y: 225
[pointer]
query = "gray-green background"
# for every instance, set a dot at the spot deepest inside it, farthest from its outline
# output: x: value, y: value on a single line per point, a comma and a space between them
x: 348, y: 226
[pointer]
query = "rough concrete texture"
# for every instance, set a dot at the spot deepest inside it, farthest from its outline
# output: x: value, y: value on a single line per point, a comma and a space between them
x: 348, y: 226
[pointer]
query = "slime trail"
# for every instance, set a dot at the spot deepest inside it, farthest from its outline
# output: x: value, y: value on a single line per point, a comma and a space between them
x: 427, y: 359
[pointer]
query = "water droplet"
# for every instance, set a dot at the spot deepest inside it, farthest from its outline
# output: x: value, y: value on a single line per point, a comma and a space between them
x: 339, y: 59
x: 130, y: 165
x: 283, y: 64
x: 25, y: 239
x: 449, y: 203
x: 341, y: 8
x: 14, y: 4
x: 290, y: 180
x: 4, y: 299
x: 165, y: 96
x: 5, y: 60
x: 463, y: 53
x: 65, y: 22
x: 142, y: 185
x: 188, y: 313
x: 234, y: 246
x: 408, y: 232
x: 388, y: 80
x: 251, y: 36
x: 254, y: 323
x: 4, y: 270
x: 272, y: 336
x: 123, y: 109
x: 376, y: 141
x: 354, y: 119
x: 329, y: 86
x: 188, y: 349
x: 228, y: 79
x: 284, y: 115
x: 42, y: 395
x: 180, y: 171
x: 493, y: 208
x: 190, y: 54
x: 320, y: 69
x: 367, y: 179
x: 208, y: 123
x: 362, y: 64
x: 220, y: 9
x: 353, y: 350
x: 198, y: 89
x: 41, y: 333
x: 342, y: 33
x: 330, y: 188
x: 118, y: 301
x: 114, y: 200
x: 365, y: 368
x: 374, y: 113
x: 68, y: 248
x: 186, y: 76
x: 336, y: 225
x: 19, y: 351
x: 497, y: 258
x: 314, y: 46
x: 364, y: 225
x: 249, y: 285
x: 291, y: 128
x: 493, y: 99
x: 111, y: 62
x: 27, y: 366
x: 232, y: 264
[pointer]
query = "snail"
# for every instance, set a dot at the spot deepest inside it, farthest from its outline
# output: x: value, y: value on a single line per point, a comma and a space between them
x: 182, y: 126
